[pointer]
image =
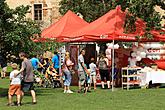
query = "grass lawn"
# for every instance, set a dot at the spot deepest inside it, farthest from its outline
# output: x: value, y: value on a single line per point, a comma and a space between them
x: 55, y: 99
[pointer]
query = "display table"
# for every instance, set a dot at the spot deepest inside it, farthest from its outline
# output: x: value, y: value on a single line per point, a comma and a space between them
x: 154, y: 76
x: 130, y: 76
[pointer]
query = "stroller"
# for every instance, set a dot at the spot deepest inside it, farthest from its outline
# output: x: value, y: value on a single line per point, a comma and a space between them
x: 52, y: 79
x: 38, y: 78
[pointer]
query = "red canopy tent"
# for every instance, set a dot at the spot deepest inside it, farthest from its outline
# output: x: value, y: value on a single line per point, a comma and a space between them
x: 111, y: 27
x: 108, y: 26
x: 69, y: 23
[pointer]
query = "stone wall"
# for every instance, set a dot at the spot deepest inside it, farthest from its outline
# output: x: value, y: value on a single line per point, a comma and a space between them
x: 162, y: 12
x: 50, y: 9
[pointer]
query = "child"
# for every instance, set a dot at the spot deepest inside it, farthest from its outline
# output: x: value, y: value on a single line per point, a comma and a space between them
x: 87, y: 80
x: 92, y: 67
x: 51, y: 71
x: 15, y: 85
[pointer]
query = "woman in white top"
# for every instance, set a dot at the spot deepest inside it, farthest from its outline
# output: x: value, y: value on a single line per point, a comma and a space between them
x: 132, y: 60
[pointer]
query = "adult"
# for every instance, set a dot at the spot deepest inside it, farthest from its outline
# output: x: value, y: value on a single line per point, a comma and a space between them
x: 132, y: 63
x: 28, y: 76
x: 67, y: 73
x: 82, y: 70
x: 132, y: 59
x: 55, y: 61
x: 103, y: 69
x: 3, y: 65
x: 35, y: 62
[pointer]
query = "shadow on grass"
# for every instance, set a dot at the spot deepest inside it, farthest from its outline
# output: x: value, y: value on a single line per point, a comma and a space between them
x: 41, y: 92
x: 3, y: 92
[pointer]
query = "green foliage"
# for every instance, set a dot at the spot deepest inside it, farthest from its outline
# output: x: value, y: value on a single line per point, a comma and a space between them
x: 44, y: 46
x: 16, y: 30
x: 38, y: 74
x: 93, y: 9
x: 90, y: 9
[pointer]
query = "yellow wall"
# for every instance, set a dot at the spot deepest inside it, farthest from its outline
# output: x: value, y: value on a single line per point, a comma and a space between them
x: 50, y: 9
x: 162, y: 12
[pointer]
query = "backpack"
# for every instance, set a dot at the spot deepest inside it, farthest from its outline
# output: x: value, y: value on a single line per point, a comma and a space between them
x: 102, y: 64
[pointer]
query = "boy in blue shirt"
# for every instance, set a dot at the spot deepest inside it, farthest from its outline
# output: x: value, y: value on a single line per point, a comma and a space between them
x: 55, y: 61
x: 35, y: 62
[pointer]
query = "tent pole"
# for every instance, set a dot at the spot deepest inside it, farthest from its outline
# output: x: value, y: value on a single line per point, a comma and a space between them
x: 113, y: 53
x: 60, y: 71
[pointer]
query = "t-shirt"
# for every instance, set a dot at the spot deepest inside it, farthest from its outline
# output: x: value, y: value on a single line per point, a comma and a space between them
x: 55, y: 61
x: 34, y: 62
x: 102, y: 63
x: 28, y: 75
x: 17, y: 79
x: 69, y: 62
x: 80, y: 60
x: 92, y: 67
x: 132, y: 61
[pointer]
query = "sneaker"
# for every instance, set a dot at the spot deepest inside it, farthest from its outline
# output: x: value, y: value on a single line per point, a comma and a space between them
x: 10, y: 104
x: 34, y: 103
x: 88, y: 91
x: 65, y: 91
x: 19, y: 104
x: 69, y: 91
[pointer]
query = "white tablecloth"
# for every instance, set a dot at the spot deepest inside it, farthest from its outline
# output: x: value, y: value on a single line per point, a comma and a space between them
x: 154, y: 76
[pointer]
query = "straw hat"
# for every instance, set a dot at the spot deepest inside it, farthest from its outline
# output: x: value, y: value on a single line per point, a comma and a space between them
x: 14, y: 66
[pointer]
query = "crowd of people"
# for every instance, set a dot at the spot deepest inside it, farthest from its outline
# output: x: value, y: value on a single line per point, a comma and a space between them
x: 23, y: 80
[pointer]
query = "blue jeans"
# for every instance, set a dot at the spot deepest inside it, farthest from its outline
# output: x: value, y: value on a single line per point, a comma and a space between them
x: 68, y: 78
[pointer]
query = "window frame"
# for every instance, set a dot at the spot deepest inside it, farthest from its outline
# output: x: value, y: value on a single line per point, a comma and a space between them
x: 33, y: 11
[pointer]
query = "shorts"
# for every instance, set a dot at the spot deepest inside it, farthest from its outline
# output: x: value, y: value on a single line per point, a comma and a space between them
x: 27, y: 86
x: 104, y: 74
x: 67, y: 82
x: 93, y: 78
x: 15, y: 89
x: 82, y: 77
x: 88, y: 80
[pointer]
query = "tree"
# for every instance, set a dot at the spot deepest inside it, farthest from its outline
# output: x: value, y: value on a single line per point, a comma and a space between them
x: 93, y: 9
x: 16, y: 31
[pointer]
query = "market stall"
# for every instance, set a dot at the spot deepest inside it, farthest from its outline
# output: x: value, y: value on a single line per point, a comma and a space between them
x: 109, y: 27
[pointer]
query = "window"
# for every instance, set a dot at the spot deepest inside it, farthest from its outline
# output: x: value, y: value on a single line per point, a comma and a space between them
x: 38, y: 12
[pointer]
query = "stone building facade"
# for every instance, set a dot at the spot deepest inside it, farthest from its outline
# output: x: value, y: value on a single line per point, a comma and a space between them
x: 44, y: 11
x: 47, y: 11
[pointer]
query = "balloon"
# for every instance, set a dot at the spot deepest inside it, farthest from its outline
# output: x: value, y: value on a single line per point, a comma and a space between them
x: 108, y: 53
x: 110, y: 45
x: 143, y: 55
x: 150, y: 57
x: 138, y: 53
x: 133, y: 54
x: 158, y: 57
x: 154, y: 57
x: 147, y: 46
x: 138, y: 58
x: 116, y: 46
